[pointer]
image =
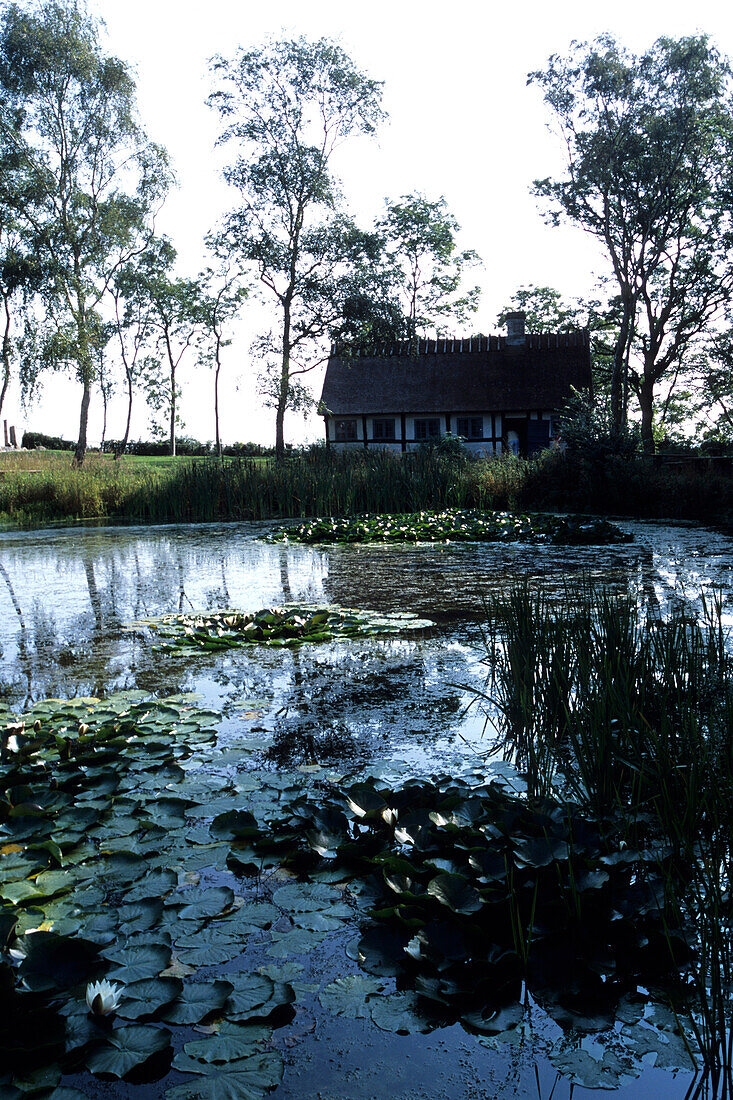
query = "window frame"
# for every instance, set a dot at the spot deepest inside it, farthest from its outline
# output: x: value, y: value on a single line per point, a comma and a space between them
x: 343, y: 428
x: 422, y: 428
x: 383, y: 429
x: 470, y: 422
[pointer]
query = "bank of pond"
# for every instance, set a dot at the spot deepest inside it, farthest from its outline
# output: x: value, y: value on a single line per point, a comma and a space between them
x: 37, y: 488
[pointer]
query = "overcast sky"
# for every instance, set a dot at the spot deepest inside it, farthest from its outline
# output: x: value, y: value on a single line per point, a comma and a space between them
x: 462, y: 123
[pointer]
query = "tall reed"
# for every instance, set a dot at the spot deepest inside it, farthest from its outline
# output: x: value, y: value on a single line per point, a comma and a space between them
x: 631, y: 716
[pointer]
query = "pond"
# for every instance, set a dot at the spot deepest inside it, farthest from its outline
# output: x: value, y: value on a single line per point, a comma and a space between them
x: 393, y: 707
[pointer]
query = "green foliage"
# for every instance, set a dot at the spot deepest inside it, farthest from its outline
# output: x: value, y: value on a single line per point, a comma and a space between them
x: 631, y: 716
x: 174, y: 312
x: 474, y: 891
x: 420, y: 238
x: 36, y: 488
x: 456, y: 526
x: 274, y: 626
x: 589, y: 433
x: 545, y: 310
x: 284, y: 108
x: 78, y: 172
x: 648, y: 143
x: 93, y: 801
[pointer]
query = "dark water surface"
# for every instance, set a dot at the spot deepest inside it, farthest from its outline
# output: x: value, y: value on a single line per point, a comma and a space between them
x: 394, y: 706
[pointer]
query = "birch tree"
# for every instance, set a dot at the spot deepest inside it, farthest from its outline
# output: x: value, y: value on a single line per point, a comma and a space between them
x: 78, y: 171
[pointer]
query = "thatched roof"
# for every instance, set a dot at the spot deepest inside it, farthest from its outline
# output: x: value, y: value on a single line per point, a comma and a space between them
x: 480, y: 374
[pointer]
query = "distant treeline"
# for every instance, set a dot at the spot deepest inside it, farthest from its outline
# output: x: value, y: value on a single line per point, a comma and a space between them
x: 191, y: 448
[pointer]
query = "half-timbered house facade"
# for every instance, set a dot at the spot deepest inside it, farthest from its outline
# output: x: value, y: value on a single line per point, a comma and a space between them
x: 497, y: 392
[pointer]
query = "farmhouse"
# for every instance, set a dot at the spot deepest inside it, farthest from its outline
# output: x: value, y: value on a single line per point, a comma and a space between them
x: 497, y: 392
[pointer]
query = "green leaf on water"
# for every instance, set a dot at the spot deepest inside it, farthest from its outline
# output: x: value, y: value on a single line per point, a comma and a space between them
x: 198, y: 1000
x: 348, y: 996
x: 148, y: 997
x: 128, y: 1048
x: 245, y: 1079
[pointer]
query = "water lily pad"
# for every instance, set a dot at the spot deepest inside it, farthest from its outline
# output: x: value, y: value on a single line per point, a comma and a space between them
x: 137, y: 962
x: 128, y: 1048
x: 244, y: 1079
x: 398, y: 1013
x: 238, y: 1041
x: 54, y: 962
x: 456, y: 892
x: 200, y: 904
x: 197, y: 1000
x: 146, y: 998
x: 348, y: 996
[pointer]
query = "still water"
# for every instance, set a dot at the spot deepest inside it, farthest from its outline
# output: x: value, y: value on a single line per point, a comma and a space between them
x: 394, y: 706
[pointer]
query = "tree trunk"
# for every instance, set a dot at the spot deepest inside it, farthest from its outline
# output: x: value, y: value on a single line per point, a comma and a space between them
x: 620, y: 369
x: 5, y: 353
x: 282, y: 399
x: 81, y: 445
x: 646, y: 404
x: 126, y: 436
x: 173, y: 414
x: 216, y: 407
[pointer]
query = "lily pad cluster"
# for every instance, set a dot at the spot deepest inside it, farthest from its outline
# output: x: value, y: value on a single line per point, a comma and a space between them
x: 454, y: 525
x: 474, y: 892
x: 276, y: 626
x: 102, y: 840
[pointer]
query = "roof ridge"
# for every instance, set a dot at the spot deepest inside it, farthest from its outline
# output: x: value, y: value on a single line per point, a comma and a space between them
x: 451, y: 345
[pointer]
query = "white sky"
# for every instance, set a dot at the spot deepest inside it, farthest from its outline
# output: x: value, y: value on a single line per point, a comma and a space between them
x: 462, y: 124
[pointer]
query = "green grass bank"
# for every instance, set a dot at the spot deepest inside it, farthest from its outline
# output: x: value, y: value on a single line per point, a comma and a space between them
x: 42, y: 487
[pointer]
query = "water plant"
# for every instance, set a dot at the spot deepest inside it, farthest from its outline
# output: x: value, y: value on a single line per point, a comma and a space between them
x: 99, y: 936
x: 454, y: 525
x: 291, y: 625
x: 629, y: 713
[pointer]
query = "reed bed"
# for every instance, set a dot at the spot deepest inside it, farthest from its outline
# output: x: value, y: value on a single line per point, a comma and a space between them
x: 630, y: 716
x: 38, y: 487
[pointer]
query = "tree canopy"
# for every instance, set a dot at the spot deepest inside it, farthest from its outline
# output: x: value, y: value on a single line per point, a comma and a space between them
x: 76, y: 170
x: 649, y: 147
x: 285, y: 108
x: 420, y: 240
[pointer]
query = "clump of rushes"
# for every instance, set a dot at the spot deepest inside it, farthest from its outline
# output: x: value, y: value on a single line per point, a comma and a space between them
x: 629, y: 715
x: 457, y: 526
x: 275, y: 626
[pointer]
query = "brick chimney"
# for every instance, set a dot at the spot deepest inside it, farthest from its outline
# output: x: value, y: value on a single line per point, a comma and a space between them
x: 515, y: 333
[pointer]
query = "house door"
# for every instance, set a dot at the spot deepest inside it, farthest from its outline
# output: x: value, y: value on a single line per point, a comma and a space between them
x: 538, y: 435
x: 515, y: 434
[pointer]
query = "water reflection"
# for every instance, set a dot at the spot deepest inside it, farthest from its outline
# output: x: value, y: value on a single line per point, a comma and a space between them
x: 66, y: 595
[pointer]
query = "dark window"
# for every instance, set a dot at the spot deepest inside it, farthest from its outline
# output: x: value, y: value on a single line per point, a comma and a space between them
x: 345, y: 431
x: 471, y: 427
x: 383, y: 429
x: 427, y: 429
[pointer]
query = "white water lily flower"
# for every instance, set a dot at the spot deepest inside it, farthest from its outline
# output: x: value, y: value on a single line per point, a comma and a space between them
x: 103, y: 997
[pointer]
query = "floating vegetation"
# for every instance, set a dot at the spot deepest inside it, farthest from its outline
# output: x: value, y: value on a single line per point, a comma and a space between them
x: 275, y: 626
x: 474, y: 892
x: 458, y: 526
x: 102, y: 923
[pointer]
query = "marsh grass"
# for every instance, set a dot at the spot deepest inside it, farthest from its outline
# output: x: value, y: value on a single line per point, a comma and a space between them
x: 38, y: 486
x: 630, y: 716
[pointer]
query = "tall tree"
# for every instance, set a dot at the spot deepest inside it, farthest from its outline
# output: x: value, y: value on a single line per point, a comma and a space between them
x: 173, y: 310
x: 222, y: 294
x: 649, y: 147
x: 77, y: 169
x: 286, y: 107
x: 420, y: 238
x: 19, y: 280
x: 132, y: 330
x: 546, y: 310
